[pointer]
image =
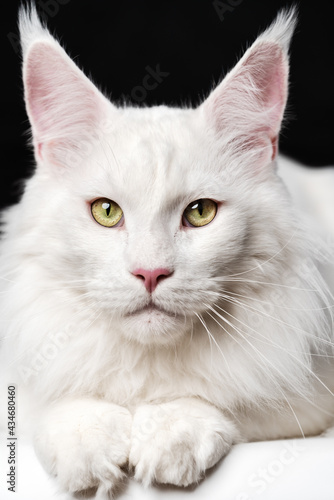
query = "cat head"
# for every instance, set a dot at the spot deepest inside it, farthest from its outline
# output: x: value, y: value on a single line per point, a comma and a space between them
x: 145, y: 213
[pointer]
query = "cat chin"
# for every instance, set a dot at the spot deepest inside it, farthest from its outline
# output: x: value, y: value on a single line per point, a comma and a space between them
x: 154, y: 326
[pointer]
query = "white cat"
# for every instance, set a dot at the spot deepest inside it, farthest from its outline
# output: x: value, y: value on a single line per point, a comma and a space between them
x: 160, y: 298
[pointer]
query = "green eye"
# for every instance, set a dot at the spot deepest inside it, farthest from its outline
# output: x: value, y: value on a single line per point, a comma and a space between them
x: 200, y: 212
x: 106, y: 212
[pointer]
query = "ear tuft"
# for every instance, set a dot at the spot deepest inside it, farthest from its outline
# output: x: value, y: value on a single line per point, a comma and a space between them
x: 31, y: 28
x: 281, y: 30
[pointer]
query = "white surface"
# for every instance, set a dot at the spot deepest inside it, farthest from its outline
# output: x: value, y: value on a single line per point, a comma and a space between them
x: 276, y: 470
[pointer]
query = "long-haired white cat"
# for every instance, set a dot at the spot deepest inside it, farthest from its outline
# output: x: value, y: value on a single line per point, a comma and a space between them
x: 160, y: 298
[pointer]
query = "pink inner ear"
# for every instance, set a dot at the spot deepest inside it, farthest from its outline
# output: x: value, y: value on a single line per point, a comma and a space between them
x: 39, y: 150
x: 251, y: 100
x: 62, y: 103
x: 274, y: 143
x: 268, y: 73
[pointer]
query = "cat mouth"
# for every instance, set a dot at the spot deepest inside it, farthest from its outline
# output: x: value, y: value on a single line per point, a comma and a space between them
x: 150, y: 309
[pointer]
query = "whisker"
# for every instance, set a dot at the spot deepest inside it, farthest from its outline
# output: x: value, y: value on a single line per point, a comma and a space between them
x: 266, y: 261
x: 262, y: 355
x: 211, y: 338
x: 280, y: 306
x: 263, y: 313
x: 297, y: 359
x: 237, y: 280
x: 271, y: 378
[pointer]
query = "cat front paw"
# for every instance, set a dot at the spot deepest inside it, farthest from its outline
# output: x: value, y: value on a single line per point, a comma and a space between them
x: 84, y: 444
x: 176, y: 442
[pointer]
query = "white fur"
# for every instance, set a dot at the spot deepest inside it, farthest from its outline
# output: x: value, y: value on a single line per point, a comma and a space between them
x: 69, y: 436
x: 249, y: 314
x: 188, y: 431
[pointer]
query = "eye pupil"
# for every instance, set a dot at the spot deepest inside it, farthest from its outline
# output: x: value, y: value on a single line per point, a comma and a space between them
x: 107, y: 208
x: 200, y: 208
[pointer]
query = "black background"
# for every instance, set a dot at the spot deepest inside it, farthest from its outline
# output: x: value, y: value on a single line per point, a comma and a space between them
x: 115, y: 42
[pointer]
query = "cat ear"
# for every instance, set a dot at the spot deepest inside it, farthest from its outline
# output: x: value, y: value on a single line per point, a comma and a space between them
x: 64, y: 107
x: 248, y: 106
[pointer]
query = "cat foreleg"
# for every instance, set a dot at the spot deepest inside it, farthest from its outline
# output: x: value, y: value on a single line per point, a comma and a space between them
x: 84, y: 443
x: 175, y: 442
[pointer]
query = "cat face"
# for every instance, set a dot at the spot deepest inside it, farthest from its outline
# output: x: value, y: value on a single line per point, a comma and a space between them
x: 153, y: 176
x: 189, y: 186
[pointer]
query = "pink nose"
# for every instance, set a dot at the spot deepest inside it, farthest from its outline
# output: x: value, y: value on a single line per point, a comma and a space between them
x: 151, y: 278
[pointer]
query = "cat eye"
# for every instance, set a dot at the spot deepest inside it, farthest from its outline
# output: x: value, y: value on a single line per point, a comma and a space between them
x: 106, y: 212
x: 200, y: 213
